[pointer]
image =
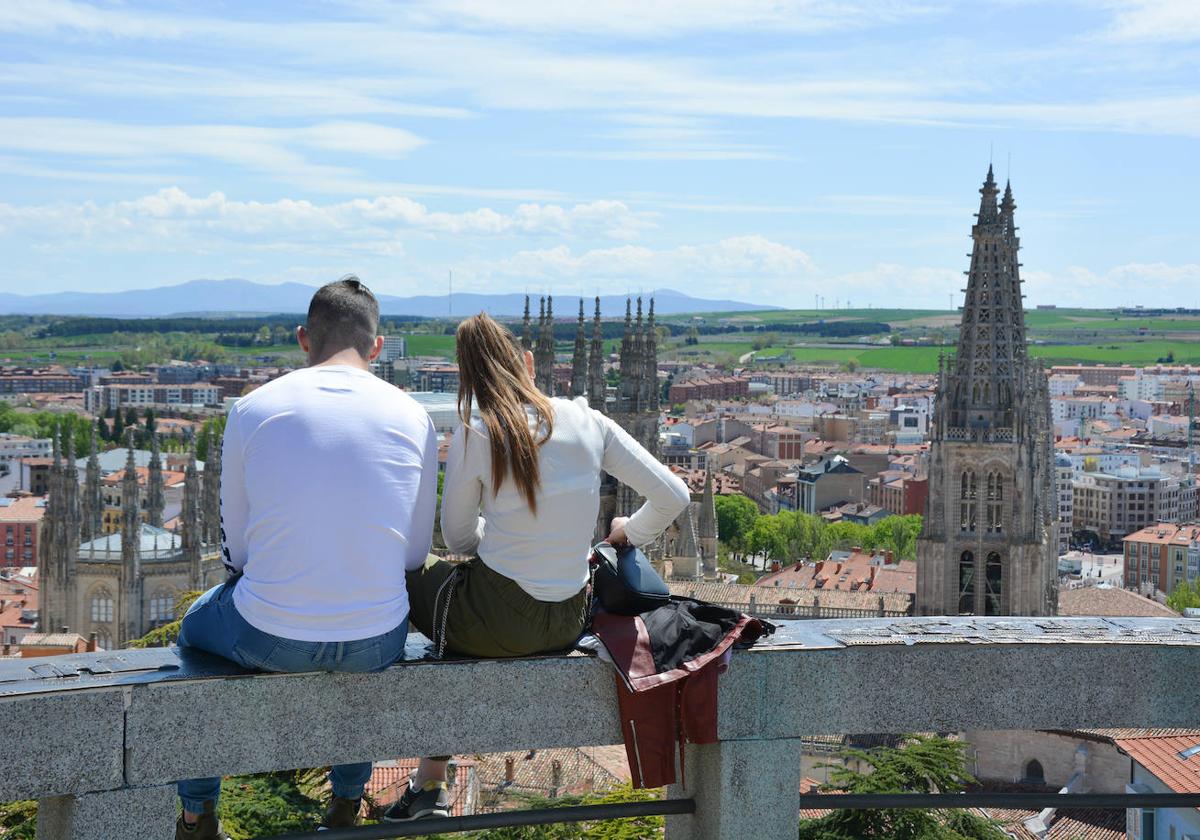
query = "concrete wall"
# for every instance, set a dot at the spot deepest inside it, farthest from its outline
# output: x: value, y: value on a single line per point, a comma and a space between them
x: 122, y: 735
x: 1004, y: 755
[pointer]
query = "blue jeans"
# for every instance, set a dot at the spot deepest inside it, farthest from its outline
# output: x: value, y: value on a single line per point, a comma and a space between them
x: 213, y: 624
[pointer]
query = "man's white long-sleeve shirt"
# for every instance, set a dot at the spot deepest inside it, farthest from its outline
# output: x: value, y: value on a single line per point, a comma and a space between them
x: 547, y: 553
x: 328, y: 493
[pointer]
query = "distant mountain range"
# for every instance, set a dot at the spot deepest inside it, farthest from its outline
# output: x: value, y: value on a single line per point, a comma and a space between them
x: 244, y: 297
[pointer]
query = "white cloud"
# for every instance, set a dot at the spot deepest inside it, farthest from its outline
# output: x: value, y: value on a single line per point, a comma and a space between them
x: 752, y: 264
x: 269, y: 148
x: 173, y: 217
x: 1130, y: 284
x: 1155, y: 20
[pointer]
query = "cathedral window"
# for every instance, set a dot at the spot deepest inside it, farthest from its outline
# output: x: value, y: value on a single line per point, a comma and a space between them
x: 966, y: 584
x: 968, y: 492
x: 993, y: 584
x: 103, y: 640
x: 102, y: 605
x: 162, y: 606
x: 995, y: 502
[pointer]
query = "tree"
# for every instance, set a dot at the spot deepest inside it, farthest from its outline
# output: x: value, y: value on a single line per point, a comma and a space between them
x: 767, y: 538
x: 151, y: 423
x: 1184, y: 595
x: 897, y: 534
x: 131, y: 418
x: 118, y: 427
x: 923, y: 765
x: 735, y: 517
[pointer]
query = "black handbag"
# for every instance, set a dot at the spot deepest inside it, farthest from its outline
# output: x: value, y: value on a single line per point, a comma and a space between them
x: 624, y: 581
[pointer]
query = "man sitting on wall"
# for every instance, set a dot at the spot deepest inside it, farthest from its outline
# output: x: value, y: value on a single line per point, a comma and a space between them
x: 327, y: 498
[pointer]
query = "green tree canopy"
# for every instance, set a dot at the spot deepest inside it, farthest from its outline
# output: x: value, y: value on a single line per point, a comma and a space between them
x: 1184, y: 595
x: 736, y: 515
x: 923, y: 765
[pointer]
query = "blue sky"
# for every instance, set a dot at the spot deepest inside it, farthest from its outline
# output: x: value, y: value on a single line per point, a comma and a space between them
x: 769, y: 150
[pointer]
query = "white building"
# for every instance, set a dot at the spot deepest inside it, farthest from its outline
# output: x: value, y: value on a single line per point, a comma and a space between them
x: 1064, y: 477
x: 15, y: 447
x: 394, y: 347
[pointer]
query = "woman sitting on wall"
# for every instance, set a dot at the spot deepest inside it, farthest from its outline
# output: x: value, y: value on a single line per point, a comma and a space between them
x: 522, y: 496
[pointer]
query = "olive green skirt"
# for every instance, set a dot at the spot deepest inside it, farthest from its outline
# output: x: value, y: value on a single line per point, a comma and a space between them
x: 472, y: 610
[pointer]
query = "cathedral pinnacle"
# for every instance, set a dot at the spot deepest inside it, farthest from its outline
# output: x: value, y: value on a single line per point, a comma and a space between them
x: 579, y: 360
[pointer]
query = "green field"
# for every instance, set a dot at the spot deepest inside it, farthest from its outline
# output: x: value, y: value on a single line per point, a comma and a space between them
x: 925, y: 359
x: 431, y: 345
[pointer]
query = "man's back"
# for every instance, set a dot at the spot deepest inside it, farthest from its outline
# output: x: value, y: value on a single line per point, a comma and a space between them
x: 328, y: 494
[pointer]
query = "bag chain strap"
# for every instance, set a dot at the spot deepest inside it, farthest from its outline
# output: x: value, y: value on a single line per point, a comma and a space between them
x: 439, y: 630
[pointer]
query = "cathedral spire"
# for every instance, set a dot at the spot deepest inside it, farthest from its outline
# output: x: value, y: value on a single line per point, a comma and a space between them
x: 988, y: 375
x: 210, y: 497
x: 130, y: 609
x: 596, y: 384
x: 579, y: 359
x: 526, y: 329
x: 988, y: 540
x: 543, y: 366
x: 650, y: 394
x: 92, y: 505
x: 155, y: 491
x: 189, y: 521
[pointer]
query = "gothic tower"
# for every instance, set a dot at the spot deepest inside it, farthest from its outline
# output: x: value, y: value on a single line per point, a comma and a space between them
x: 92, y: 503
x: 988, y: 543
x: 156, y: 498
x: 526, y: 329
x: 597, y: 387
x: 544, y: 354
x: 189, y: 522
x: 129, y: 610
x: 685, y: 554
x: 579, y: 359
x: 210, y: 494
x: 59, y: 543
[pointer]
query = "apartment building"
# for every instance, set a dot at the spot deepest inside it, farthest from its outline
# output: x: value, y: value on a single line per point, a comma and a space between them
x: 50, y: 380
x: 1114, y: 505
x: 114, y: 396
x: 713, y: 388
x: 1162, y: 556
x: 1064, y: 486
x: 441, y: 378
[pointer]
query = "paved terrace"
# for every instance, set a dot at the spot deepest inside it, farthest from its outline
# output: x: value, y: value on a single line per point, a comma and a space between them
x: 99, y: 738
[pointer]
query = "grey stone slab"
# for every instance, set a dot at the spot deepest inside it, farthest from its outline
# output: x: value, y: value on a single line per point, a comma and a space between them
x: 128, y: 814
x: 947, y: 687
x: 280, y: 721
x: 742, y: 789
x: 62, y: 743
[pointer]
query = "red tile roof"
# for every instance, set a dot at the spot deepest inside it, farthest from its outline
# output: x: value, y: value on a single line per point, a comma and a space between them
x: 1160, y: 755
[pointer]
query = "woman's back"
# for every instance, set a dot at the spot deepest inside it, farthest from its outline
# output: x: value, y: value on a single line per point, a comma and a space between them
x: 546, y: 551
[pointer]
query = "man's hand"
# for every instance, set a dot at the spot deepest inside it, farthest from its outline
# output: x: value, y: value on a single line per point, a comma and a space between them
x: 616, y: 536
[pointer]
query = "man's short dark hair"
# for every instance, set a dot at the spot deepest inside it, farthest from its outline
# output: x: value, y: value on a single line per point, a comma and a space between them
x: 342, y: 314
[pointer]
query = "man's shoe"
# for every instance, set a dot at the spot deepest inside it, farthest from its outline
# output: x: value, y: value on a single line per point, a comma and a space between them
x: 432, y: 800
x: 207, y: 827
x: 341, y: 813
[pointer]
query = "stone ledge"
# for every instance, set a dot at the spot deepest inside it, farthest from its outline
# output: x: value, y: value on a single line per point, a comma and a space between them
x: 281, y: 721
x: 159, y: 717
x: 62, y: 743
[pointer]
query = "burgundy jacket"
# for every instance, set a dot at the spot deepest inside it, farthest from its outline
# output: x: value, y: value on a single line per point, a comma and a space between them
x: 667, y: 663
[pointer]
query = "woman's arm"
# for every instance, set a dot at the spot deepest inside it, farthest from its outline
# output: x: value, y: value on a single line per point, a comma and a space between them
x: 628, y: 461
x: 462, y: 492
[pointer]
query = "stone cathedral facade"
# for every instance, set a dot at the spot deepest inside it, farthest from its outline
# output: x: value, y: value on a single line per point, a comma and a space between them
x: 121, y: 585
x: 692, y: 541
x: 988, y: 544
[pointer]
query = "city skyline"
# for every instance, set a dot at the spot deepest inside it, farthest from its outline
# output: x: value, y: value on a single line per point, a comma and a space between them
x: 765, y: 151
